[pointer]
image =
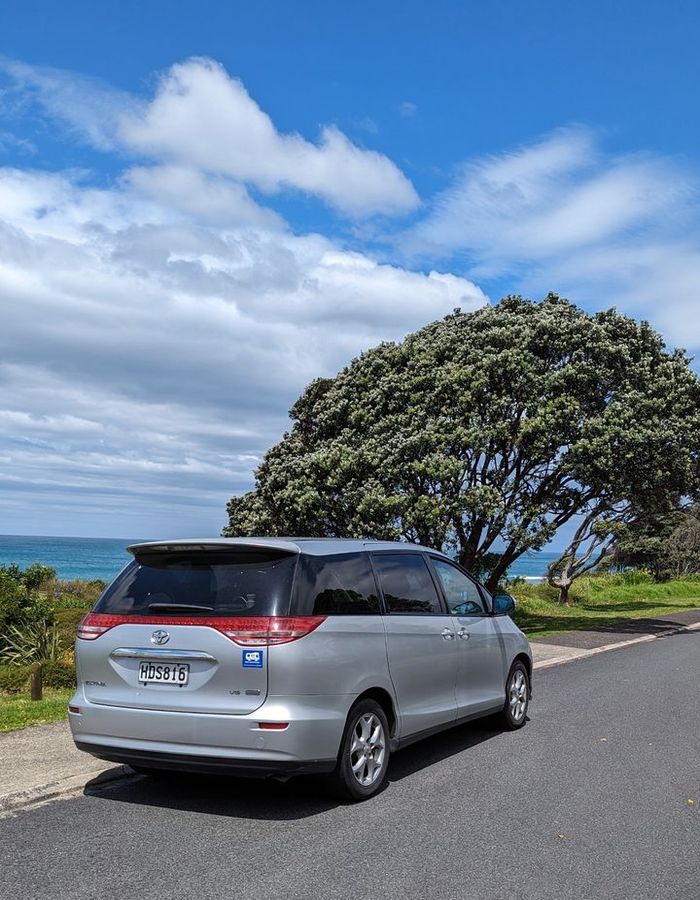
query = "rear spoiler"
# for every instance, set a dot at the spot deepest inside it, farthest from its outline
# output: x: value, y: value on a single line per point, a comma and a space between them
x: 217, y: 544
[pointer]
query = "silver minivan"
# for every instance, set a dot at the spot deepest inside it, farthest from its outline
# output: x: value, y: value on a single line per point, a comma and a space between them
x: 275, y: 656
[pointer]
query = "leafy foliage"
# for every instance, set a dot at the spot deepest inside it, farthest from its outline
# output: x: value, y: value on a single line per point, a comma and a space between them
x: 57, y: 674
x: 14, y: 679
x: 19, y: 607
x: 54, y: 674
x: 76, y: 593
x: 666, y: 543
x: 31, y: 642
x: 36, y: 575
x: 484, y: 430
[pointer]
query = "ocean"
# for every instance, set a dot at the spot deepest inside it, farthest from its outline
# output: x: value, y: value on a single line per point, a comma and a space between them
x: 88, y: 558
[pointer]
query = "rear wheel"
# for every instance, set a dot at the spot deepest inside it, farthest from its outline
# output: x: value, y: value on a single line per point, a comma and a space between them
x: 364, y: 753
x: 514, y: 713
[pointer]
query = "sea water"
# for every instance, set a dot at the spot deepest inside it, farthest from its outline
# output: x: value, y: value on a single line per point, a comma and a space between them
x: 88, y: 558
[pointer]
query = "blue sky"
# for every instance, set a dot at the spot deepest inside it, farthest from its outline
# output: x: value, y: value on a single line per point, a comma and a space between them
x: 205, y: 205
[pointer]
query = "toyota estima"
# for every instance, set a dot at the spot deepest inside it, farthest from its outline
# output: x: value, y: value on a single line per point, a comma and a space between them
x: 278, y: 657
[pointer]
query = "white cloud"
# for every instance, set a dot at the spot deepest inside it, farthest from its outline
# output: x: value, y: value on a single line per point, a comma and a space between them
x: 156, y: 330
x: 91, y: 108
x: 563, y: 215
x: 200, y: 118
x: 149, y: 356
x: 212, y: 199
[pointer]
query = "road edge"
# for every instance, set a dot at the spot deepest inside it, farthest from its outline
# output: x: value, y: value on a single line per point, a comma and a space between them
x: 55, y: 790
x: 573, y: 653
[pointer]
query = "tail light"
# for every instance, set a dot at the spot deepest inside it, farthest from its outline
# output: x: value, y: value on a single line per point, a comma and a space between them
x: 95, y: 624
x: 247, y: 631
x: 266, y: 630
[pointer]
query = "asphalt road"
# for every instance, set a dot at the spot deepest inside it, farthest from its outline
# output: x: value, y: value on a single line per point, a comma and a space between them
x: 589, y: 800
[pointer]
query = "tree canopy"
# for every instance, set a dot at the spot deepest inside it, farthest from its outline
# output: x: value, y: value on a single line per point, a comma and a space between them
x: 483, y: 433
x: 666, y: 543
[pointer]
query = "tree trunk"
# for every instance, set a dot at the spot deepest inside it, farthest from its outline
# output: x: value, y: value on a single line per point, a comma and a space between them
x: 492, y: 584
x: 36, y: 686
x: 563, y: 597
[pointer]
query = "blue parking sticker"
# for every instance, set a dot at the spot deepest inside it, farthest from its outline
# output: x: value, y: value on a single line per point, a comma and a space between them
x: 253, y: 659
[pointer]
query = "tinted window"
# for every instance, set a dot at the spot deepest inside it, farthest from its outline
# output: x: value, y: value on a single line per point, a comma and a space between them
x: 336, y: 585
x: 249, y: 583
x: 462, y: 595
x: 406, y: 583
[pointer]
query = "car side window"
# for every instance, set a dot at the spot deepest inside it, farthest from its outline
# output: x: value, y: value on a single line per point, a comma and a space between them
x: 462, y: 594
x: 407, y: 584
x: 340, y: 585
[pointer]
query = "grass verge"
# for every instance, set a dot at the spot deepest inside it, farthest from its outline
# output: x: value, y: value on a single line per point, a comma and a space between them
x: 18, y: 710
x: 600, y: 602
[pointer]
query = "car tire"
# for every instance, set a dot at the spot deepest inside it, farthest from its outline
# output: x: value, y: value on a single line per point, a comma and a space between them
x: 514, y: 714
x: 363, y: 759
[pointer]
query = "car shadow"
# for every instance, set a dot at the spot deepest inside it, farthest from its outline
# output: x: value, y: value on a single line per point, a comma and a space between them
x: 272, y: 800
x: 442, y: 746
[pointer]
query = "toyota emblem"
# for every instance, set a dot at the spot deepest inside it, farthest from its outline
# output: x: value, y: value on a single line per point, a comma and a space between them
x: 160, y: 637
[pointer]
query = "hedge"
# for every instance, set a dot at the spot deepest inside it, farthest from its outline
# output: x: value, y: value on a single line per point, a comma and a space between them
x: 15, y: 679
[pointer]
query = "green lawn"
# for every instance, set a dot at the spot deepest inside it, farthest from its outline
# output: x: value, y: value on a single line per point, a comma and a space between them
x: 601, y: 601
x: 18, y: 710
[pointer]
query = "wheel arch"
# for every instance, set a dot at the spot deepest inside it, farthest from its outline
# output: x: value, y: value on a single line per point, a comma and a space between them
x: 386, y: 701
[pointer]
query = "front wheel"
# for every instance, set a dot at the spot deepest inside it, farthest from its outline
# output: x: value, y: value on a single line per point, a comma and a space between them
x: 364, y: 753
x: 514, y: 713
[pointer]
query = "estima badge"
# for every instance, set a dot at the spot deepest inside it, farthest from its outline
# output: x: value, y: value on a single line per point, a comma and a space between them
x: 160, y: 637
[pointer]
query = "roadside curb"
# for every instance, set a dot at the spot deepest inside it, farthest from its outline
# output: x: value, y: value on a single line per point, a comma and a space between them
x: 575, y: 654
x: 54, y: 790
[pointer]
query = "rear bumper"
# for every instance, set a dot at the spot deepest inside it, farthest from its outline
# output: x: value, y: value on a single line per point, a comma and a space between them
x: 207, y: 765
x: 202, y: 742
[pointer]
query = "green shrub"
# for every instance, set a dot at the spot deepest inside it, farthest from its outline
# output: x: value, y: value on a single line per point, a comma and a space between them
x: 12, y: 571
x: 54, y: 674
x: 13, y: 599
x: 57, y: 674
x: 20, y: 608
x: 36, y: 575
x: 14, y: 679
x: 76, y: 594
x: 67, y: 621
x: 31, y: 642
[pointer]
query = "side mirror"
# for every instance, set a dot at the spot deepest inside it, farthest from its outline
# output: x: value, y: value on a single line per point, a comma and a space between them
x: 504, y: 605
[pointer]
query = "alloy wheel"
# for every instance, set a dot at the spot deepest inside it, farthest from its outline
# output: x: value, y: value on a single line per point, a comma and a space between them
x: 367, y: 749
x: 517, y: 695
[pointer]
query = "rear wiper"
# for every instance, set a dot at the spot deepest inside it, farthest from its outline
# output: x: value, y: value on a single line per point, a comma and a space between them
x: 189, y: 607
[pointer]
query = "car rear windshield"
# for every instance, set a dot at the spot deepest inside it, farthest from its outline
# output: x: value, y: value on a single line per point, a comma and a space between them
x: 241, y: 583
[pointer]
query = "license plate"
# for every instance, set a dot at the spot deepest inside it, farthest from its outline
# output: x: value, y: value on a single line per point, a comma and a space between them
x: 164, y: 673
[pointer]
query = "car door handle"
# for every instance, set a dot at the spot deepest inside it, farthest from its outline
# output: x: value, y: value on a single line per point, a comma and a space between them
x: 448, y: 634
x: 464, y: 634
